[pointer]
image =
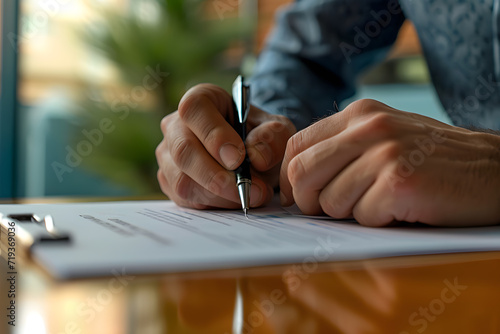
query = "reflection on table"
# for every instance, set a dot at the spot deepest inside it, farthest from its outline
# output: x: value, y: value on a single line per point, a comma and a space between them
x: 455, y: 293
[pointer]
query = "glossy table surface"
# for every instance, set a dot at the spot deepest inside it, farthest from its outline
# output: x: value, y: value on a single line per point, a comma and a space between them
x: 450, y: 293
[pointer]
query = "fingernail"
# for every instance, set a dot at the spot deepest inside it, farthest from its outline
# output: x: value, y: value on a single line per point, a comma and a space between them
x: 255, y: 195
x: 283, y: 199
x: 229, y: 155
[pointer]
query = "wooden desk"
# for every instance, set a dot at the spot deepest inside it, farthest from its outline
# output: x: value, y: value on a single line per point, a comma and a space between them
x: 455, y: 293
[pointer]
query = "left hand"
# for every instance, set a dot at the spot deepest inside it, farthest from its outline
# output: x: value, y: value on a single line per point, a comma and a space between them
x: 381, y: 165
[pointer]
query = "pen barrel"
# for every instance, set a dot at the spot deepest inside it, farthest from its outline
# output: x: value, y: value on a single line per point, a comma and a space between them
x: 241, y: 109
x: 243, y: 171
x: 240, y: 128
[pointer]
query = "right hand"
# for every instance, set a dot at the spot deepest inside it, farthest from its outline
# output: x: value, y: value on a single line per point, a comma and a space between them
x: 200, y: 149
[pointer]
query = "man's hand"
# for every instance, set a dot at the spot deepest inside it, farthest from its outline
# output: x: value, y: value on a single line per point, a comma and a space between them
x: 381, y: 165
x: 200, y: 148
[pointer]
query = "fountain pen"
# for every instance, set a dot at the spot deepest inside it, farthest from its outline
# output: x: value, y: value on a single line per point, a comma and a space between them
x: 241, y: 106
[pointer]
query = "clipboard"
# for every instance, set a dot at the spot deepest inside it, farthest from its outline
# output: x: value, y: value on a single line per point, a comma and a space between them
x: 29, y: 230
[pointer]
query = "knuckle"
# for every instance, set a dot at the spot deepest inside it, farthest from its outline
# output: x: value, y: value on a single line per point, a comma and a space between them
x: 159, y: 152
x: 380, y: 124
x: 368, y: 105
x: 390, y: 151
x: 191, y: 104
x: 160, y: 177
x: 212, y: 135
x: 296, y: 171
x: 381, y: 120
x: 199, y: 95
x: 210, y: 90
x: 363, y: 107
x: 182, y: 149
x: 282, y: 127
x: 163, y: 182
x: 293, y: 145
x: 165, y: 122
x: 267, y: 134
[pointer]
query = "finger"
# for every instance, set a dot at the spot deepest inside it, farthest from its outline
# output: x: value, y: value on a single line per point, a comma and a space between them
x: 312, y: 170
x: 261, y: 193
x: 189, y: 156
x: 168, y: 190
x: 304, y: 172
x: 335, y: 124
x: 338, y: 198
x: 300, y: 142
x: 196, y: 178
x: 204, y: 109
x: 164, y: 124
x: 377, y: 205
x: 292, y: 149
x: 266, y: 143
x: 364, y: 133
x: 187, y: 193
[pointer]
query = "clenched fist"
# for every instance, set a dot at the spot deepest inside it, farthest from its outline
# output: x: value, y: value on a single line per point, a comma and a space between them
x: 381, y: 165
x: 200, y: 149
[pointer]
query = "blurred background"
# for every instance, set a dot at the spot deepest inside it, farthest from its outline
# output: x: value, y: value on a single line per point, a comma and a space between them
x: 96, y: 77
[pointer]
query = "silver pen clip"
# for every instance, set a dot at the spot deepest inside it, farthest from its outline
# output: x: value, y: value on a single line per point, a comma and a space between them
x: 241, y: 93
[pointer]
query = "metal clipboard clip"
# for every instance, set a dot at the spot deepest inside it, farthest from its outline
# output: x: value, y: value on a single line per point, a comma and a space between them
x: 32, y: 229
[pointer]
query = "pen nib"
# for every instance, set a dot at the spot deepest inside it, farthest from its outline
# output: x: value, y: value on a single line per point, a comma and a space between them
x: 245, y: 210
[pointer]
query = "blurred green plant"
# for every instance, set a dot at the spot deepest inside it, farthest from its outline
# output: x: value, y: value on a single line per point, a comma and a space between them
x: 179, y: 40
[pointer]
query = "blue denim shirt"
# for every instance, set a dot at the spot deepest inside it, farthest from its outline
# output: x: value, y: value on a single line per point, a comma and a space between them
x: 319, y: 47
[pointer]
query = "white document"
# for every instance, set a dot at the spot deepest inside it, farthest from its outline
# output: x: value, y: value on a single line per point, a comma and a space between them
x: 158, y: 237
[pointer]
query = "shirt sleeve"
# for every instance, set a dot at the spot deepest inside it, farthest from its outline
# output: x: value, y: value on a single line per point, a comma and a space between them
x: 316, y: 51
